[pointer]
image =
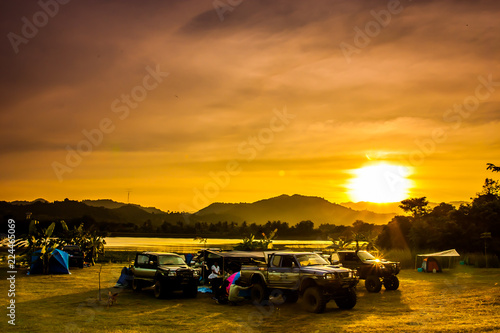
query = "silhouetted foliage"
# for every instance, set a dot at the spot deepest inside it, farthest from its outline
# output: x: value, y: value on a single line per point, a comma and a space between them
x: 446, y: 226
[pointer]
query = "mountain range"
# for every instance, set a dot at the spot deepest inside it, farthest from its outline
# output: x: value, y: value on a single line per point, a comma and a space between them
x: 285, y: 208
x: 292, y: 209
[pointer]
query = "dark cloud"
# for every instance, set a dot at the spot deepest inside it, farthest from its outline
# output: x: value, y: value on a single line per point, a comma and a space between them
x: 226, y: 77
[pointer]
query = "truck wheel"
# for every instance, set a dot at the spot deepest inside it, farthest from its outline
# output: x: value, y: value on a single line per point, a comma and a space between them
x: 391, y: 282
x: 259, y: 293
x: 314, y: 300
x: 136, y: 285
x: 190, y: 291
x: 80, y: 263
x: 373, y: 284
x: 161, y: 290
x: 349, y: 301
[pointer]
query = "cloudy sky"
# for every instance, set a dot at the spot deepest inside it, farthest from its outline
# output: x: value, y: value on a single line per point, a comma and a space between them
x: 184, y: 103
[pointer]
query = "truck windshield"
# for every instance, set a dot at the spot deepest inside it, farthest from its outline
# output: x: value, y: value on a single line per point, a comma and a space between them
x: 170, y: 260
x: 363, y: 255
x: 311, y: 260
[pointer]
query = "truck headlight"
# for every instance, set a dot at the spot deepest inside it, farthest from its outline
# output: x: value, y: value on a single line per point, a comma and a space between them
x: 329, y: 276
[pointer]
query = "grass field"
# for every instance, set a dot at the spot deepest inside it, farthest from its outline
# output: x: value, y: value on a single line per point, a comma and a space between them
x: 464, y: 299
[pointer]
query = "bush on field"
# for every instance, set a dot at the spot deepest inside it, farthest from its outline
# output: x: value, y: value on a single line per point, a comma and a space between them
x: 405, y: 257
x: 479, y: 260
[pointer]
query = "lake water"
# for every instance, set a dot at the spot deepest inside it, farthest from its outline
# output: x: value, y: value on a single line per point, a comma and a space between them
x: 189, y: 245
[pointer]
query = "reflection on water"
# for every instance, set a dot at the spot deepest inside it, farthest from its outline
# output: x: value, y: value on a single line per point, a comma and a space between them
x: 189, y: 245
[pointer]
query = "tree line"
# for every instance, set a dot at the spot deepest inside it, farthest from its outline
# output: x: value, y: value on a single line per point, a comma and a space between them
x: 471, y: 227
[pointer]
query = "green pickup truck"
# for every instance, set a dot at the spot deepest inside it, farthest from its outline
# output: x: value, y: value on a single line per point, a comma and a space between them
x: 301, y: 274
x: 167, y: 272
x: 373, y: 270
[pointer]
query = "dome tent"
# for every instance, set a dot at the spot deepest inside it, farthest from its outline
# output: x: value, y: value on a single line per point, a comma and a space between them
x: 58, y: 263
x: 430, y: 264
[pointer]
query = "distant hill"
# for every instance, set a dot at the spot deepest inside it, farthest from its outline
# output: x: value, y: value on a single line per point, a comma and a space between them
x: 108, y: 203
x: 292, y: 209
x: 25, y: 202
x: 77, y: 211
x: 389, y: 208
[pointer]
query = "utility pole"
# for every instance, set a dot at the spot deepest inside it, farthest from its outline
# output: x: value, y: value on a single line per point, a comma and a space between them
x: 128, y: 195
x: 485, y: 236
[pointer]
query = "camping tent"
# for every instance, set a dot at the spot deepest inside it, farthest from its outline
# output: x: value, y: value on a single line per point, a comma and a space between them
x: 447, y: 253
x: 58, y: 263
x: 430, y: 264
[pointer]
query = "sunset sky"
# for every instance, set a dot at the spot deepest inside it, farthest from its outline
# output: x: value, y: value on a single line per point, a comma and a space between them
x: 184, y: 103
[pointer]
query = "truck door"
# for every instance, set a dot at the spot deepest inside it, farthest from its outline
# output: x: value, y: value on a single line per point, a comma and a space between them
x: 350, y: 260
x: 289, y: 271
x: 274, y: 271
x: 283, y: 272
x: 145, y: 265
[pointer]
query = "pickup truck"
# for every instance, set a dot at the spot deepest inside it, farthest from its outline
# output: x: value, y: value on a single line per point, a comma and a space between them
x: 167, y: 272
x: 373, y: 270
x: 301, y: 274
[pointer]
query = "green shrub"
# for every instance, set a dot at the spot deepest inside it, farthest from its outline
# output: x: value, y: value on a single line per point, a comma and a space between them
x: 478, y: 260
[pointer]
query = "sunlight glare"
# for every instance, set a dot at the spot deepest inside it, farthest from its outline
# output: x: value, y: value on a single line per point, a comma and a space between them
x: 380, y: 183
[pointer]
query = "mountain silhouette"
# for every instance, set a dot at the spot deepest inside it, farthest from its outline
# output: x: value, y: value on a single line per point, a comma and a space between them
x: 108, y: 203
x: 292, y: 209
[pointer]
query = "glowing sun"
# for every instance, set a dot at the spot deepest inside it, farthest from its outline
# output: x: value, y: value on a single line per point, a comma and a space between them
x: 379, y: 183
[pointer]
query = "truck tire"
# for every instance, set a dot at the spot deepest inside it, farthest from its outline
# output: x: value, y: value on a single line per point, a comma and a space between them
x: 373, y: 284
x: 391, y: 282
x: 314, y: 300
x: 349, y: 301
x: 259, y: 293
x: 190, y: 291
x: 136, y: 285
x: 161, y: 290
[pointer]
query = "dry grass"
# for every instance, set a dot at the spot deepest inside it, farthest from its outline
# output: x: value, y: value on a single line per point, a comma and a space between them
x: 461, y: 300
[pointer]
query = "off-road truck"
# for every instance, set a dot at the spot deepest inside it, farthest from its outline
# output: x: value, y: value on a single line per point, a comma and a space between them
x: 301, y: 274
x: 167, y: 272
x: 374, y: 271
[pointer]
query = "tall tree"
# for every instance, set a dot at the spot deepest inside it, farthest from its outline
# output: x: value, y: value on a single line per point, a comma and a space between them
x: 418, y: 207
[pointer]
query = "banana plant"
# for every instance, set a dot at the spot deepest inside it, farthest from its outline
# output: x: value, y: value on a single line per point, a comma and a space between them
x: 42, y: 240
x: 93, y: 246
x: 250, y: 244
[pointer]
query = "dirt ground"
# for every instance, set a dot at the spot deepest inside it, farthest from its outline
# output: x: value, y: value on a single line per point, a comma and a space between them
x: 464, y: 299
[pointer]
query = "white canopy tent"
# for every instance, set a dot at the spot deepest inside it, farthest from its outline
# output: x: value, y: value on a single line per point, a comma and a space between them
x: 447, y: 253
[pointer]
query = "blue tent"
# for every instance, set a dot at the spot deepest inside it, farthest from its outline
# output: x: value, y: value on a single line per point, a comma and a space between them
x: 58, y: 263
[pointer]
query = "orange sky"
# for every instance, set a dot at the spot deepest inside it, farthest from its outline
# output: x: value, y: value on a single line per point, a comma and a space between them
x: 261, y: 98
